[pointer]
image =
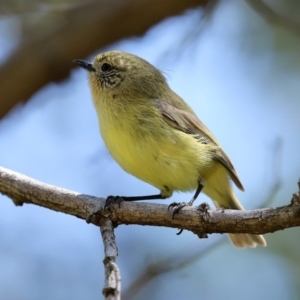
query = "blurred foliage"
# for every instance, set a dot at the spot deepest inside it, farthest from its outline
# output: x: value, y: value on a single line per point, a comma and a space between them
x: 37, y: 18
x: 258, y: 35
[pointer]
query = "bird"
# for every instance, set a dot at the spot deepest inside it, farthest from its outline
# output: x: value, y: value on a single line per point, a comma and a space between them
x: 153, y: 134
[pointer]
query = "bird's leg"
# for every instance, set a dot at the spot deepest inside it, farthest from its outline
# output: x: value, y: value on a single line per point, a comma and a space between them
x: 177, y: 206
x: 149, y: 197
x: 118, y: 199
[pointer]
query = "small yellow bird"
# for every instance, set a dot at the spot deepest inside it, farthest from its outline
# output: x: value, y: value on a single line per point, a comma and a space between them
x: 154, y: 135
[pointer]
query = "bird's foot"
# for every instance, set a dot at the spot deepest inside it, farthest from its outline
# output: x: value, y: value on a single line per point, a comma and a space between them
x: 177, y: 207
x: 111, y: 200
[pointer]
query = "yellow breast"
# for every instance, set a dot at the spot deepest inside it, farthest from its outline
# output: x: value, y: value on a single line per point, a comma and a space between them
x: 148, y: 148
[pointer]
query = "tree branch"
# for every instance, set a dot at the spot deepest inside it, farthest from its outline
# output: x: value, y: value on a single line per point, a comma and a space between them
x: 112, y: 289
x: 274, y: 17
x: 171, y: 263
x: 22, y: 189
x: 47, y: 50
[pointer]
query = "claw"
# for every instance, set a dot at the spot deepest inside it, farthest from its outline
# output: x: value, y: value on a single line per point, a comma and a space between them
x: 89, y: 218
x: 179, y: 232
x: 177, y: 207
x: 111, y: 200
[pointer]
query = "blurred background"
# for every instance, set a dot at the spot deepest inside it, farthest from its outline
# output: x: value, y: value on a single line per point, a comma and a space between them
x: 237, y: 63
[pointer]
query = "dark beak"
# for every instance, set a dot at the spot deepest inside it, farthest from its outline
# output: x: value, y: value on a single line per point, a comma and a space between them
x: 84, y: 64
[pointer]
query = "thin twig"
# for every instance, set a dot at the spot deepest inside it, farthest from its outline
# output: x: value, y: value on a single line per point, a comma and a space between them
x: 23, y: 189
x: 172, y: 263
x: 273, y: 17
x: 180, y: 260
x: 276, y: 181
x: 48, y: 48
x: 112, y: 289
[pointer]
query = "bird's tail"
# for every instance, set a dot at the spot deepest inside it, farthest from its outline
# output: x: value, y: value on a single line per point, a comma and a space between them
x: 242, y: 240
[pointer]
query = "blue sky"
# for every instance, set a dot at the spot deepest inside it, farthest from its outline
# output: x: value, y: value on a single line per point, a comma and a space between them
x: 249, y: 101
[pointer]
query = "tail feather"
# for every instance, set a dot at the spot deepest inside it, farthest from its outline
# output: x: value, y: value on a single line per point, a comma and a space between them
x: 247, y: 240
x: 219, y: 190
x: 242, y: 240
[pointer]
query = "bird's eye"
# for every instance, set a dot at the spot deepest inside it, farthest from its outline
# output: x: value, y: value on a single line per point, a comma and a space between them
x: 106, y: 67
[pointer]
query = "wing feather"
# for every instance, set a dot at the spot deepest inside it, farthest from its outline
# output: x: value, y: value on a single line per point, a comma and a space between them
x: 189, y: 123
